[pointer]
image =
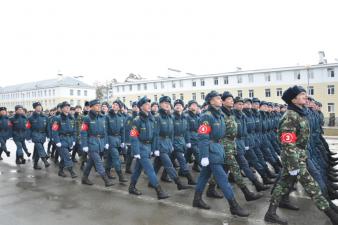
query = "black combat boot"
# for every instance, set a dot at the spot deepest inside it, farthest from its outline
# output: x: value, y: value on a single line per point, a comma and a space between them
x: 160, y: 193
x: 29, y: 154
x: 107, y: 181
x: 17, y: 160
x: 333, y: 185
x: 61, y: 173
x: 272, y: 217
x: 333, y: 206
x: 85, y: 180
x: 276, y: 167
x: 8, y: 153
x: 128, y: 165
x: 109, y: 174
x: 44, y: 160
x: 267, y: 180
x: 285, y: 203
x: 196, y: 167
x: 190, y: 179
x: 22, y: 159
x: 271, y: 174
x: 179, y: 184
x: 259, y: 186
x: 332, y: 215
x: 249, y: 195
x: 332, y: 178
x: 72, y: 173
x: 198, y: 201
x: 165, y: 177
x: 122, y: 179
x: 236, y: 209
x: 133, y: 190
x: 36, y: 166
x: 212, y: 192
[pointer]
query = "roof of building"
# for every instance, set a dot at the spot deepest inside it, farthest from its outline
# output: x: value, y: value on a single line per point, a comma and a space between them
x: 51, y: 83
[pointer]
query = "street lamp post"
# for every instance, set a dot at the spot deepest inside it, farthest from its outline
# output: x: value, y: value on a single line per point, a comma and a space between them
x: 308, y: 78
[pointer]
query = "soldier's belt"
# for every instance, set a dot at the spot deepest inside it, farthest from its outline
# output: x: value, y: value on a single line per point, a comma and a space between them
x: 39, y: 131
x: 164, y: 136
x: 114, y: 134
x: 216, y: 141
x: 97, y: 136
x: 66, y: 134
x: 178, y: 135
x: 146, y: 142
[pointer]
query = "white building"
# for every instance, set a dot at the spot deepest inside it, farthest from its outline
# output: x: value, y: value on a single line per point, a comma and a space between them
x: 48, y: 92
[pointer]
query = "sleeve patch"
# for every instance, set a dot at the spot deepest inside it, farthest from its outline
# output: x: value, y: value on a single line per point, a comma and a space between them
x: 134, y: 133
x: 28, y: 124
x: 84, y: 127
x: 55, y: 126
x: 204, y: 129
x: 288, y: 137
x: 10, y: 124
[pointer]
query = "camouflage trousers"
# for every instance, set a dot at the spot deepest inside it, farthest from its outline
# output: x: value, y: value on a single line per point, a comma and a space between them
x: 311, y: 187
x: 230, y: 164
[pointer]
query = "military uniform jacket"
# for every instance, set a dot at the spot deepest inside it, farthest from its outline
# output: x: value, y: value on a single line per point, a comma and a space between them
x: 115, y: 128
x: 37, y: 125
x: 210, y: 132
x: 19, y: 127
x: 64, y: 130
x: 5, y: 128
x: 181, y: 132
x: 164, y: 132
x: 193, y: 123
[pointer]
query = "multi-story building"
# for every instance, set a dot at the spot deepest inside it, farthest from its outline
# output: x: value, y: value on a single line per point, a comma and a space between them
x: 268, y: 84
x: 48, y: 92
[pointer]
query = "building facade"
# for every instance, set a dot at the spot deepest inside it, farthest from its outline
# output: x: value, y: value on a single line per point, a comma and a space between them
x: 48, y: 92
x: 268, y: 84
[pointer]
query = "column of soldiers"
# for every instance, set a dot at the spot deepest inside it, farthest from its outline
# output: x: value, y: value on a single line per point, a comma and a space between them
x: 225, y: 140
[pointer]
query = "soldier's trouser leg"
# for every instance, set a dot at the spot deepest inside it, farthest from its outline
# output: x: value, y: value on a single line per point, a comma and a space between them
x: 253, y: 160
x: 49, y: 147
x: 316, y: 176
x: 181, y: 160
x: 267, y: 153
x: 116, y: 163
x: 40, y: 150
x: 260, y: 157
x: 24, y: 147
x: 221, y: 178
x: 233, y: 167
x: 94, y: 159
x: 157, y: 164
x: 19, y: 151
x: 244, y: 165
x: 129, y: 158
x: 65, y: 158
x: 144, y: 163
x: 168, y: 166
x: 196, y: 153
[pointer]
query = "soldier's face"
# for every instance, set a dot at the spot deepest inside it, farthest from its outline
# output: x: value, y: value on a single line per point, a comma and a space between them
x: 300, y: 99
x: 116, y: 107
x: 179, y: 108
x: 65, y: 109
x: 3, y: 112
x: 104, y: 108
x: 228, y: 102
x: 216, y: 101
x: 96, y: 108
x: 38, y: 108
x: 247, y: 105
x: 165, y: 106
x: 19, y: 111
x: 264, y: 108
x: 135, y: 109
x: 193, y: 107
x: 239, y: 105
x: 154, y: 108
x: 78, y: 110
x: 146, y: 107
x: 255, y: 105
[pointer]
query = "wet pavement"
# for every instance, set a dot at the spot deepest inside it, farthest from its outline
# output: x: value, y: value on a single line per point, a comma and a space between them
x: 41, y: 197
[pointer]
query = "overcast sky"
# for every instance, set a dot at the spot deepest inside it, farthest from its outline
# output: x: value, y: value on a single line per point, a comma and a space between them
x: 109, y: 39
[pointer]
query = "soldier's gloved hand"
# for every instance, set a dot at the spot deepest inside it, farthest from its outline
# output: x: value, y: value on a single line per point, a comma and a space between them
x: 246, y: 148
x: 122, y: 145
x: 157, y: 153
x: 58, y: 145
x: 47, y: 139
x: 138, y: 156
x: 106, y: 146
x: 85, y: 149
x: 188, y: 145
x: 294, y: 172
x: 205, y: 161
x: 73, y: 143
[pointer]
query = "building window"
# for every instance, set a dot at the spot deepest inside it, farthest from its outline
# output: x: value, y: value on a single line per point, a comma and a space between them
x: 122, y: 88
x: 130, y: 87
x: 226, y: 80
x: 71, y: 92
x: 182, y: 96
x: 49, y: 92
x: 267, y: 93
x: 279, y: 76
x: 85, y: 93
x: 239, y: 79
x: 194, y: 96
x: 251, y: 78
x: 145, y: 86
x: 311, y: 90
x: 155, y: 85
x: 194, y: 83
x: 330, y: 89
x: 124, y: 99
x: 181, y: 83
x: 174, y: 97
x: 173, y: 84
x: 78, y: 92
x: 240, y: 93
x: 71, y: 102
x: 216, y: 81
x: 311, y: 74
x: 267, y: 77
x: 330, y: 107
x: 53, y: 92
x: 155, y: 98
x: 45, y: 93
x: 117, y: 88
x: 202, y: 82
x: 162, y: 85
x: 202, y: 95
x: 297, y: 75
x: 251, y: 93
x: 138, y: 87
x: 330, y: 72
x: 279, y: 92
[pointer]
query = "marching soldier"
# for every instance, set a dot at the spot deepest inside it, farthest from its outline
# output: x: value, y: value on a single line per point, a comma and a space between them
x: 5, y: 131
x: 94, y: 141
x: 294, y: 135
x: 37, y: 125
x: 78, y: 123
x: 143, y: 138
x: 64, y: 136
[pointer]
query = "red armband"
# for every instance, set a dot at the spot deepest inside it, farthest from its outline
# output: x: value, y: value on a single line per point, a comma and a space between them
x: 204, y: 129
x: 288, y: 137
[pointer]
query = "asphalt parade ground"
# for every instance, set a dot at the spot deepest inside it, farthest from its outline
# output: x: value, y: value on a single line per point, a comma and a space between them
x: 30, y: 197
